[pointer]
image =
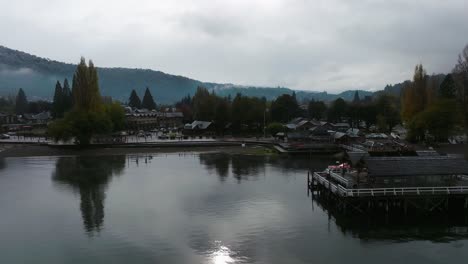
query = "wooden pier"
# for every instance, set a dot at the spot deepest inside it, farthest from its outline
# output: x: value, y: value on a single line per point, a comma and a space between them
x: 345, y: 192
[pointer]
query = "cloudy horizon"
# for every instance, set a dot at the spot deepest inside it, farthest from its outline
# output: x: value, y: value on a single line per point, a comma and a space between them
x: 305, y: 45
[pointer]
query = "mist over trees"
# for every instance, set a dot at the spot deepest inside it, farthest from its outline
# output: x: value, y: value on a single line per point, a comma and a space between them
x: 432, y: 107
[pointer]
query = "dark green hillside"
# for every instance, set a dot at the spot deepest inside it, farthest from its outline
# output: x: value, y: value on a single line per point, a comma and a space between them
x: 37, y: 76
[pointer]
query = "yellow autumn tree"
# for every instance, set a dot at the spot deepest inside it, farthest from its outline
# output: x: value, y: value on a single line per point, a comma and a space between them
x: 415, y: 95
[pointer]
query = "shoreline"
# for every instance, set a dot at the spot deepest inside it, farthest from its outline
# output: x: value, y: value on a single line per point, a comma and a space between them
x: 29, y: 149
x: 24, y: 150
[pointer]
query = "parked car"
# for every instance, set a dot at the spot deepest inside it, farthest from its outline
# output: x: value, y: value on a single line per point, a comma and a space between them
x: 4, y: 136
x: 141, y: 134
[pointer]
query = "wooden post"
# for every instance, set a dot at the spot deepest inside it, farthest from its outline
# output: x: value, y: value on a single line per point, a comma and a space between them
x: 405, y: 206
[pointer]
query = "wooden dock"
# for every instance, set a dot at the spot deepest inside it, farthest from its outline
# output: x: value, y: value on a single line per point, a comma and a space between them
x: 335, y: 184
x: 338, y: 189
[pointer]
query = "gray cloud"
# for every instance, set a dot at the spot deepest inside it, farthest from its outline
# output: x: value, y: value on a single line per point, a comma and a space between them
x: 311, y: 45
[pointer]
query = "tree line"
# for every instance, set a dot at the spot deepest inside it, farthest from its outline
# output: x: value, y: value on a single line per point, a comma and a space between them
x: 20, y: 105
x: 433, y: 110
x: 244, y: 113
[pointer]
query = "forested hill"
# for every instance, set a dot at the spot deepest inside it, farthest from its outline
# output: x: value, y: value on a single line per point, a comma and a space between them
x: 37, y: 76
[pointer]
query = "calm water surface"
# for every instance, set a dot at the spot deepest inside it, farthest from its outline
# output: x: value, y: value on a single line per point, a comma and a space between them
x: 196, y: 208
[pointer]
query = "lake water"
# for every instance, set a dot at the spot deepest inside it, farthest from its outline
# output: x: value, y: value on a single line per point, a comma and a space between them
x: 196, y: 208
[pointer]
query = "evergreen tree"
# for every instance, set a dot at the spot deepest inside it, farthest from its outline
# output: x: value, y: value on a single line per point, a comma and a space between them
x: 57, y: 106
x: 222, y: 114
x: 447, y: 88
x: 134, y: 100
x: 338, y: 110
x: 203, y: 105
x: 284, y: 108
x: 317, y: 109
x: 21, y: 106
x: 148, y: 101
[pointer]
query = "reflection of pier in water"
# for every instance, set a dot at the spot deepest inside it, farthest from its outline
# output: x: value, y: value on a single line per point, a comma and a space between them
x: 139, y: 158
x: 397, y: 227
x: 89, y: 176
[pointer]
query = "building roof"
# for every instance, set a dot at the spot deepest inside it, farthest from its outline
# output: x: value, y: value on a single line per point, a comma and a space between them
x: 377, y: 136
x: 298, y: 135
x: 353, y: 132
x: 339, y: 135
x: 416, y: 166
x: 199, y: 125
x: 299, y: 122
x: 341, y: 125
x: 173, y: 114
x: 40, y: 116
x: 303, y: 122
x: 296, y: 120
x: 315, y: 122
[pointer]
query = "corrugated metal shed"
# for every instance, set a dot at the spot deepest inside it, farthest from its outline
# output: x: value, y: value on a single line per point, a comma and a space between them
x: 417, y: 166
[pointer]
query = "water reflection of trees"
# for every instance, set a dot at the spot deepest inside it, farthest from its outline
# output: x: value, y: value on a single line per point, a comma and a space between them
x: 242, y: 166
x: 89, y: 176
x: 396, y: 226
x: 218, y: 162
x: 2, y: 163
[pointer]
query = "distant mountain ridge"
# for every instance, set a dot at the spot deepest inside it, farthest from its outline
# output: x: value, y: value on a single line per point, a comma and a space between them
x: 37, y: 76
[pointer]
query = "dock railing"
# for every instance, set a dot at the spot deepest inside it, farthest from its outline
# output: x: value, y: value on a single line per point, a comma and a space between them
x: 336, y: 188
x: 342, y: 180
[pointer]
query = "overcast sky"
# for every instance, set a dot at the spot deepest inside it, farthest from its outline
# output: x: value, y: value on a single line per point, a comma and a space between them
x: 330, y: 45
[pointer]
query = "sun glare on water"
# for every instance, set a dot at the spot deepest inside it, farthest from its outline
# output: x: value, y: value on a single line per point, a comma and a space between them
x: 222, y: 255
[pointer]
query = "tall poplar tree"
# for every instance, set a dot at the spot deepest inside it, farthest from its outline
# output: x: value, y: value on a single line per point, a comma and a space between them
x: 460, y: 74
x: 67, y: 96
x: 415, y: 95
x: 57, y: 105
x: 85, y: 89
